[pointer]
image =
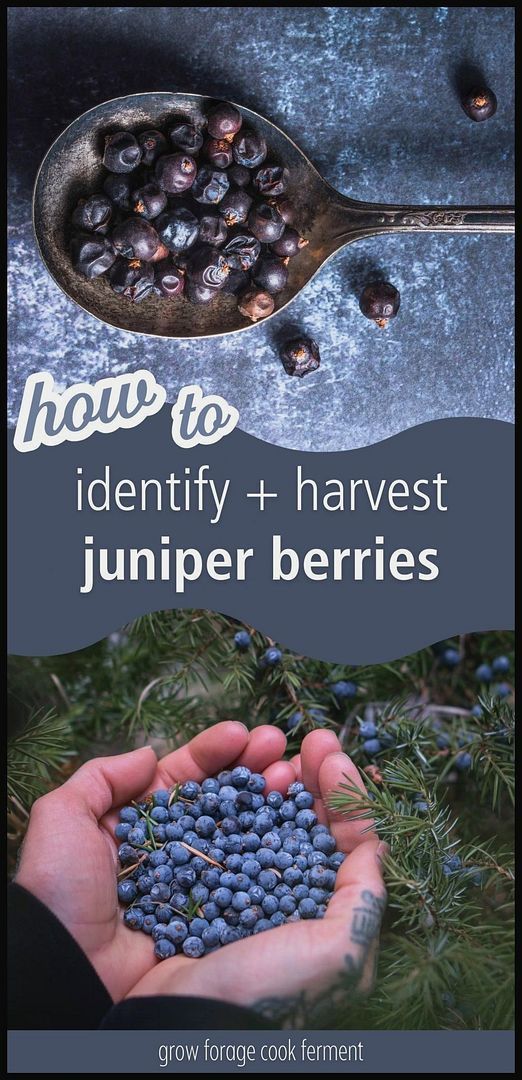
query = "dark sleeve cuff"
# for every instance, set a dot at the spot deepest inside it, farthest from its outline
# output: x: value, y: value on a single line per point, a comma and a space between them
x: 182, y: 1014
x: 51, y: 983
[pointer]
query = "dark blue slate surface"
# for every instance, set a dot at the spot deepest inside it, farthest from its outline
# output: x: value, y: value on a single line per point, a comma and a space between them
x: 369, y: 94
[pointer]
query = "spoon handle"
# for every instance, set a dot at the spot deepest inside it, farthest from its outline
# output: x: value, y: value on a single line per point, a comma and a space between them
x: 369, y: 219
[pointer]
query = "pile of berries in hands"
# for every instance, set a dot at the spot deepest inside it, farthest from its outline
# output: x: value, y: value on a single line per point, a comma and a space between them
x: 194, y: 211
x: 207, y: 864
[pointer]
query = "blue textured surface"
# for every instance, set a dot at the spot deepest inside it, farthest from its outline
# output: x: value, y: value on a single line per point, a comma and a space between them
x: 369, y: 95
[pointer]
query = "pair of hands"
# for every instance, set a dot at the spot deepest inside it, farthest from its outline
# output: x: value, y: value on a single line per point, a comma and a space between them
x: 69, y: 862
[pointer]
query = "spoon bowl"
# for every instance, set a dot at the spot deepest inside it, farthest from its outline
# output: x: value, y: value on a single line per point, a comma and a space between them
x: 73, y: 168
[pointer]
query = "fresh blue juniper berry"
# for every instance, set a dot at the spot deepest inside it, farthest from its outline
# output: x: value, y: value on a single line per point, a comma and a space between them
x: 149, y: 924
x: 272, y: 657
x: 307, y: 908
x: 344, y: 689
x: 241, y: 900
x: 451, y: 658
x: 127, y: 892
x: 122, y: 830
x: 176, y: 931
x: 261, y: 925
x: 256, y: 784
x: 161, y: 797
x: 304, y: 800
x: 133, y: 918
x: 371, y: 747
x: 367, y: 729
x: 210, y: 785
x: 210, y: 937
x: 163, y: 873
x: 164, y: 913
x: 240, y: 776
x: 294, y: 720
x: 190, y: 790
x: 484, y: 673
x: 164, y: 949
x: 451, y: 864
x: 197, y: 926
x: 248, y: 918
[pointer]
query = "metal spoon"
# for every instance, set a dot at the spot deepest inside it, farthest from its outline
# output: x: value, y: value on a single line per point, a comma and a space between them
x: 328, y: 220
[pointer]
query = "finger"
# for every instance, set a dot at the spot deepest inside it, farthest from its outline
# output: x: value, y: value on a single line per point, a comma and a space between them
x: 206, y: 754
x: 101, y: 784
x: 369, y: 972
x: 296, y: 762
x: 358, y: 904
x: 279, y: 776
x: 314, y: 748
x: 361, y: 870
x: 337, y: 769
x: 265, y: 745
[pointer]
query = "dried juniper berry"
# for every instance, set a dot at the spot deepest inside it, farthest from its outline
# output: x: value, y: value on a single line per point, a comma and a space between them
x: 175, y: 172
x: 270, y: 273
x: 92, y: 254
x: 237, y: 281
x: 289, y: 244
x: 178, y: 229
x: 380, y: 301
x: 122, y: 152
x: 224, y: 121
x: 266, y: 223
x: 186, y: 136
x: 119, y: 190
x: 300, y: 356
x: 239, y: 175
x: 93, y: 214
x: 153, y: 144
x: 242, y: 251
x: 255, y: 303
x: 135, y: 238
x: 208, y: 268
x: 199, y: 294
x: 249, y: 148
x: 149, y: 201
x: 210, y: 185
x: 480, y: 103
x: 212, y: 228
x: 218, y: 152
x: 235, y: 206
x: 168, y: 281
x: 286, y: 208
x: 271, y: 180
x: 134, y: 280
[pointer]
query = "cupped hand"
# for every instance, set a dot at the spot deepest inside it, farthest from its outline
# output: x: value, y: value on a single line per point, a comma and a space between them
x: 279, y: 971
x: 69, y: 857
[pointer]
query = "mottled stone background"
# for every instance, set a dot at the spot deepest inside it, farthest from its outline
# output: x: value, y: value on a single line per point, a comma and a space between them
x: 369, y: 94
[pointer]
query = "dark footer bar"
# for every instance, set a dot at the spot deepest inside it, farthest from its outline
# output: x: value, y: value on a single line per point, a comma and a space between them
x: 261, y: 1051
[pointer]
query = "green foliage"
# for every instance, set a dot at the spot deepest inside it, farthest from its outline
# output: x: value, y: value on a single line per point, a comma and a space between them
x: 35, y: 754
x: 447, y: 942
